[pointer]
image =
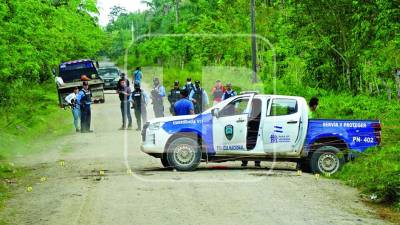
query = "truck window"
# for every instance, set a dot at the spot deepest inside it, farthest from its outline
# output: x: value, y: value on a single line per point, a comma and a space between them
x: 282, y: 107
x: 236, y: 107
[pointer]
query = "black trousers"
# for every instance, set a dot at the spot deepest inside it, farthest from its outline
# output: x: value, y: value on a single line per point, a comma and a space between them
x: 86, y: 117
x: 126, y: 113
x: 141, y: 115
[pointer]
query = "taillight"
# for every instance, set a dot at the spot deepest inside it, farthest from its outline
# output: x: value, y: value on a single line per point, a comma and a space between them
x: 377, y: 131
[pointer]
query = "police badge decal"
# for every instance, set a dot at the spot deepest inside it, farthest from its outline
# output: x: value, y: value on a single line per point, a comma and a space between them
x: 229, y: 132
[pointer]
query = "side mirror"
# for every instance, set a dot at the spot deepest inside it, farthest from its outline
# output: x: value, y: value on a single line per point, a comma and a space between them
x: 215, y: 112
x: 54, y: 71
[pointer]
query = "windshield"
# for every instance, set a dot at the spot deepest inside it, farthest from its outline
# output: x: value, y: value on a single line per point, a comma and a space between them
x: 108, y: 72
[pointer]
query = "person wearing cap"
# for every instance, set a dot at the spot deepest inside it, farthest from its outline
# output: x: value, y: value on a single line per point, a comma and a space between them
x: 76, y: 112
x: 229, y: 92
x: 84, y: 99
x: 137, y: 76
x: 139, y: 103
x: 217, y: 92
x: 124, y: 93
x: 183, y: 106
x: 157, y: 96
x: 189, y: 85
x: 174, y: 96
x: 199, y: 98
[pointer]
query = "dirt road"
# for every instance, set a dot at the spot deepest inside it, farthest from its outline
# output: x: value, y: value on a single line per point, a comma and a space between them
x: 78, y: 193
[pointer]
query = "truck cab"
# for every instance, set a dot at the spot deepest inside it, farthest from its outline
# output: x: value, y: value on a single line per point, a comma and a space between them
x: 254, y: 127
x: 71, y: 73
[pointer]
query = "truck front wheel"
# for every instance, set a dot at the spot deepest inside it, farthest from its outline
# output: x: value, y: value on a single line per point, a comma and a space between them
x: 327, y: 160
x: 184, y: 154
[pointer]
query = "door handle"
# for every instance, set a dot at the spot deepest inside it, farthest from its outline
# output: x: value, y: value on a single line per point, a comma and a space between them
x: 292, y: 122
x: 240, y: 120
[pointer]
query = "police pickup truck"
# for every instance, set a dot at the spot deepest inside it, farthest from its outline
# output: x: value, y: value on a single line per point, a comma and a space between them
x: 258, y: 127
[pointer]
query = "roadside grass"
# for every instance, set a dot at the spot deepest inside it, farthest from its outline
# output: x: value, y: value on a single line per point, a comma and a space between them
x: 27, y: 122
x: 375, y: 172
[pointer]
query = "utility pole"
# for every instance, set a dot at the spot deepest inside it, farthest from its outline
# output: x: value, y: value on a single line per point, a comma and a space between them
x: 253, y: 41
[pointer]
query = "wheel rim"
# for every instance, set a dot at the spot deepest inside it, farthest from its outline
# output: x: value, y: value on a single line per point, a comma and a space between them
x: 328, y: 163
x: 184, y: 154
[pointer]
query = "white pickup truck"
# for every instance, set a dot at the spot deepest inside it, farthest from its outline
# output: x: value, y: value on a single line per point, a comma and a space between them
x: 258, y: 127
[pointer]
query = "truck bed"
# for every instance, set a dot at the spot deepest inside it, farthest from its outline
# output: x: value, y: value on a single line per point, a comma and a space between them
x: 358, y: 135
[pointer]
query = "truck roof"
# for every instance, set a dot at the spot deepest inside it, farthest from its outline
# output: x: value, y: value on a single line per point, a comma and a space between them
x: 76, y: 61
x: 270, y: 95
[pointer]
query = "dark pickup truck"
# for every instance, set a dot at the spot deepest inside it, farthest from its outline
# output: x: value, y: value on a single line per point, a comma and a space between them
x: 71, y: 74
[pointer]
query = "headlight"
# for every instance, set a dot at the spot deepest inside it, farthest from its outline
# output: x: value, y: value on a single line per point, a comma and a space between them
x: 155, y: 126
x: 116, y: 79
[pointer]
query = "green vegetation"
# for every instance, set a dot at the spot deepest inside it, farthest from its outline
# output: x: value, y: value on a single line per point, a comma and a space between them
x: 36, y: 36
x: 345, y: 52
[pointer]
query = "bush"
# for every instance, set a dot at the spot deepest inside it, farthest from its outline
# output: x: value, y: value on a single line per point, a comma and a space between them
x: 377, y: 172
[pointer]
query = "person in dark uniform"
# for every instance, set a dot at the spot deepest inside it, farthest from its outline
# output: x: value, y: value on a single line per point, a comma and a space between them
x: 229, y: 92
x: 123, y: 77
x: 124, y: 93
x: 139, y: 103
x: 174, y: 96
x: 84, y: 99
x: 157, y: 96
x: 183, y: 106
x: 199, y: 98
x: 188, y: 86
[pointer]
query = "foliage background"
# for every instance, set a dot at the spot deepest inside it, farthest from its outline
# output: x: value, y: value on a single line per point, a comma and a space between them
x: 345, y: 52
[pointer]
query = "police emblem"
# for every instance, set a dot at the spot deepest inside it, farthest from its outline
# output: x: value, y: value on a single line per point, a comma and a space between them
x: 229, y: 132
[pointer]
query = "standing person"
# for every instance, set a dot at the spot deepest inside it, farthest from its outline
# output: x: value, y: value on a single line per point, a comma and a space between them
x: 157, y: 96
x: 139, y: 103
x: 124, y: 93
x: 183, y: 106
x: 217, y: 92
x: 189, y: 85
x: 174, y: 96
x: 59, y: 81
x: 137, y: 76
x: 123, y: 77
x: 84, y: 99
x: 76, y: 111
x: 229, y: 92
x: 199, y: 98
x: 313, y: 105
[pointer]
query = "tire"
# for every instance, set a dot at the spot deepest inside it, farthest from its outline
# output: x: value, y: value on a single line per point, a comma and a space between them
x: 102, y: 100
x: 184, y: 154
x: 327, y: 160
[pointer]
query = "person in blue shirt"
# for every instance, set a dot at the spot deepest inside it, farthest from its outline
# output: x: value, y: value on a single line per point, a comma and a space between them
x: 157, y: 96
x: 184, y: 106
x: 137, y: 76
x: 229, y: 92
x: 199, y: 98
x: 84, y: 99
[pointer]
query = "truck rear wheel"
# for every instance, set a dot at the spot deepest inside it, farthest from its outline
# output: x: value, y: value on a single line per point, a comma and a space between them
x: 327, y: 160
x: 184, y: 154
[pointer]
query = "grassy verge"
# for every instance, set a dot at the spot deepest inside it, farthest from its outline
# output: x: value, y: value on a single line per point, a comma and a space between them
x: 32, y: 119
x: 376, y: 172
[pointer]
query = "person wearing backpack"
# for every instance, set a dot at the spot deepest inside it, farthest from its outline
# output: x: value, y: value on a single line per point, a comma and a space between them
x: 139, y: 102
x: 199, y: 98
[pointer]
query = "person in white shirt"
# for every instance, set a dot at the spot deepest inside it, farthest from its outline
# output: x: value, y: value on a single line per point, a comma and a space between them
x: 75, y: 108
x: 59, y: 81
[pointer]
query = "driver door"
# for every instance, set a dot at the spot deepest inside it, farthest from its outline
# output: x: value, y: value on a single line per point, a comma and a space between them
x: 230, y: 126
